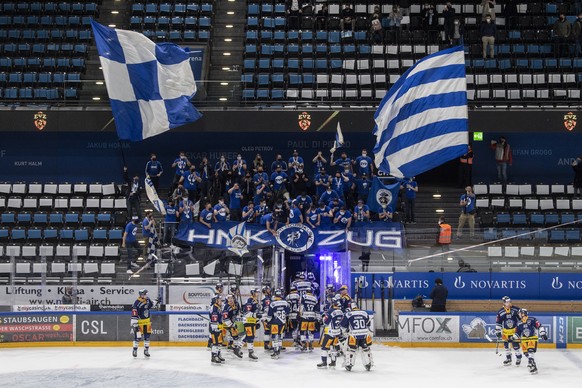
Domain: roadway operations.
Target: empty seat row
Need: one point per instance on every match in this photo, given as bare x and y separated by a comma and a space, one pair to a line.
167, 8
523, 189
41, 218
176, 22
60, 268
535, 251
540, 235
61, 189
38, 234
43, 49
62, 203
550, 218
49, 7
529, 203
59, 34
177, 35
44, 21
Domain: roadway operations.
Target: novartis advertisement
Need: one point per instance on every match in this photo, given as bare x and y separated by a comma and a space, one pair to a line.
471, 285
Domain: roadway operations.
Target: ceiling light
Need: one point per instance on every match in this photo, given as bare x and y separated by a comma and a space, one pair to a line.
230, 13
228, 39
223, 99
436, 195
115, 12
226, 54
226, 68
99, 83
96, 98
224, 83
439, 210
229, 26
112, 25
449, 259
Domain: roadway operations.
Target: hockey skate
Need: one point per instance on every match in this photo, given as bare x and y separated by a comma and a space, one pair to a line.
275, 355
518, 361
237, 352
332, 364
348, 368
134, 352
215, 360
252, 356
533, 369
146, 352
368, 366
310, 346
322, 365
220, 357
507, 361
303, 347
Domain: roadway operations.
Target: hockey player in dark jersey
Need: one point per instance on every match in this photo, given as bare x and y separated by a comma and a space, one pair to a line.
229, 315
506, 322
329, 294
357, 324
314, 284
528, 329
218, 290
234, 291
215, 328
332, 319
265, 302
141, 325
303, 285
276, 319
346, 299
308, 311
292, 323
251, 315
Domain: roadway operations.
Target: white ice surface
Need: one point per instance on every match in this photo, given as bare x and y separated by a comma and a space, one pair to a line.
190, 367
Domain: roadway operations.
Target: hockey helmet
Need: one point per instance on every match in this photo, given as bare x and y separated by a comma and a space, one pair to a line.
255, 291
143, 292
230, 298
216, 300
343, 288
278, 292
336, 301
233, 289
266, 290
219, 287
293, 288
330, 289
523, 313
310, 276
354, 306
506, 300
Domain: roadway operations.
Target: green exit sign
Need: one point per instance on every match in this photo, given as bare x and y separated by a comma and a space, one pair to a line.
477, 136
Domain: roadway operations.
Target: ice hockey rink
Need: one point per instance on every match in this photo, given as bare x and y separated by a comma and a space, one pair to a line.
190, 366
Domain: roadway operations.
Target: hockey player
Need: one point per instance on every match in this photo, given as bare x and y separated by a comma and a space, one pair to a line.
332, 319
308, 310
346, 299
357, 324
329, 294
314, 284
265, 302
292, 323
229, 315
141, 325
234, 291
506, 322
250, 316
215, 328
303, 285
276, 319
218, 289
527, 331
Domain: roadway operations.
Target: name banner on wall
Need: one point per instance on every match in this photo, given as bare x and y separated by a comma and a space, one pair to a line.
36, 328
470, 285
296, 237
428, 328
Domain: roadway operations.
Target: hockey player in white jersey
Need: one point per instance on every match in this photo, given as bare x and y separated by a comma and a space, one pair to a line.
357, 324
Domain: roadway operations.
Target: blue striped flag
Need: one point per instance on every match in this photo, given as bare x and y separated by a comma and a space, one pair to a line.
422, 121
149, 85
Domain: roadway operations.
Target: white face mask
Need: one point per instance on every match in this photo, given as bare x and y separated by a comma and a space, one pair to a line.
364, 154
238, 157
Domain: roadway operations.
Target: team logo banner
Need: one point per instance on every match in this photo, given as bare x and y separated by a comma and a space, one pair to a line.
381, 196
293, 237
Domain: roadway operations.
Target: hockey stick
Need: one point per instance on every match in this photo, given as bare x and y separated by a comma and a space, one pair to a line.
382, 288
374, 292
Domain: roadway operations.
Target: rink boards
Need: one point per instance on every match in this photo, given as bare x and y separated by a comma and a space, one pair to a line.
188, 326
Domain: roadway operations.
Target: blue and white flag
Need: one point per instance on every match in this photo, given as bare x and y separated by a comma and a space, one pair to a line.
422, 121
238, 241
149, 85
153, 196
383, 196
339, 139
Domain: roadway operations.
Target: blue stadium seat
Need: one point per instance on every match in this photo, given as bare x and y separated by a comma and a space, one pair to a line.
17, 234
104, 219
50, 234
503, 218
34, 234
204, 35
100, 234
56, 219
115, 234
248, 94
519, 219
24, 218
552, 219
508, 233
573, 235
81, 234
4, 233
40, 218
189, 35
8, 218
557, 235
71, 218
88, 219
490, 234
253, 10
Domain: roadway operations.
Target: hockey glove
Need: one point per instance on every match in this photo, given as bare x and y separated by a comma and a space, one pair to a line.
133, 324
498, 334
543, 335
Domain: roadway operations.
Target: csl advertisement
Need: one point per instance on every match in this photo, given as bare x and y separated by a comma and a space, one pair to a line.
470, 285
116, 327
36, 328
